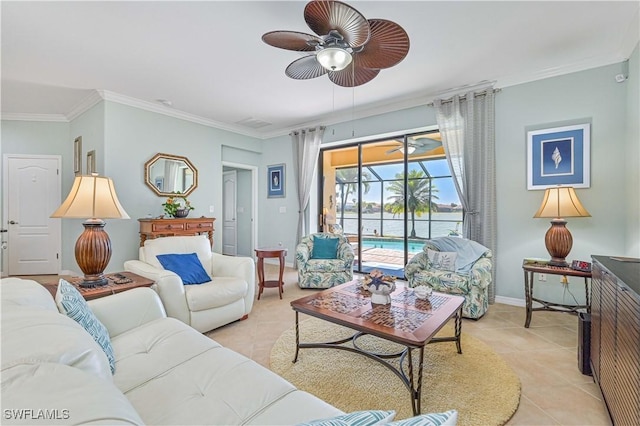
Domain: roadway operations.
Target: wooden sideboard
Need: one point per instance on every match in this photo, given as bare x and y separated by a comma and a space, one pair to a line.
154, 228
615, 333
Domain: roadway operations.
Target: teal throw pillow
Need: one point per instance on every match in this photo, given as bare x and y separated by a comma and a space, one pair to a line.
324, 248
357, 418
449, 418
187, 266
71, 303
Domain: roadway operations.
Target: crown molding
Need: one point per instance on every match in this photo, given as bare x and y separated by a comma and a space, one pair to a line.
10, 116
161, 109
85, 104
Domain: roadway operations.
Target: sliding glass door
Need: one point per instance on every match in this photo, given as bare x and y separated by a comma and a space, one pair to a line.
388, 197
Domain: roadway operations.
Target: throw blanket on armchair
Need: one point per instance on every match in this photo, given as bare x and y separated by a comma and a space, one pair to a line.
468, 251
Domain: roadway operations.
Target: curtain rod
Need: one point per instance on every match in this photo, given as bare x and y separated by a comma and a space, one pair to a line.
475, 95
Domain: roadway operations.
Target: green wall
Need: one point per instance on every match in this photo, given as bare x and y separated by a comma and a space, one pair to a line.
131, 136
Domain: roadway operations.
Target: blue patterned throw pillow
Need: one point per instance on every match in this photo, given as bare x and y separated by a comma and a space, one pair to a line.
357, 418
72, 304
449, 418
187, 266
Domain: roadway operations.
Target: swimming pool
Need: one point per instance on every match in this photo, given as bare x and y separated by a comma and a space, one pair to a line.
385, 243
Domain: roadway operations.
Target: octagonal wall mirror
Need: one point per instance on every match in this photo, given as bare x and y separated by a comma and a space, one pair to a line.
166, 174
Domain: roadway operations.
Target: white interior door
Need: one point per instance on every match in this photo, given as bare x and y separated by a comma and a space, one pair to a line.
229, 215
31, 191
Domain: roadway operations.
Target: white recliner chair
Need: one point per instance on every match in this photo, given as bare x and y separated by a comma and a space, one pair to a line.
226, 298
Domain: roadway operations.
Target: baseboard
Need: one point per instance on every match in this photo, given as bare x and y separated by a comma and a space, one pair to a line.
275, 261
510, 301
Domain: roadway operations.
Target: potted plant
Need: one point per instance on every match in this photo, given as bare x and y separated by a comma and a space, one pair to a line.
174, 206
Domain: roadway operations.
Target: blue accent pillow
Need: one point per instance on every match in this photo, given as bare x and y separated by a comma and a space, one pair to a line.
357, 418
187, 266
72, 304
324, 248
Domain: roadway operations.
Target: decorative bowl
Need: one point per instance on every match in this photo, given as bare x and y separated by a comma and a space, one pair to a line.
182, 213
422, 292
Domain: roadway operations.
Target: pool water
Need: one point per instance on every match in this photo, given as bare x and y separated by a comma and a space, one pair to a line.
414, 246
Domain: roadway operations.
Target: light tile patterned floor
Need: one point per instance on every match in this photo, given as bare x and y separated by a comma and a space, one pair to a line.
554, 392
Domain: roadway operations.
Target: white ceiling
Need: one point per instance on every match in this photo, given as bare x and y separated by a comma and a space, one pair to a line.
208, 58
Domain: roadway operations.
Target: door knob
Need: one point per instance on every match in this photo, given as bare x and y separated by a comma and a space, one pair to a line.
13, 222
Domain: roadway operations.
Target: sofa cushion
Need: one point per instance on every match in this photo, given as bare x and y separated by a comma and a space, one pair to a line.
221, 291
443, 281
32, 335
324, 248
356, 418
19, 292
199, 245
71, 303
206, 380
326, 265
46, 393
187, 266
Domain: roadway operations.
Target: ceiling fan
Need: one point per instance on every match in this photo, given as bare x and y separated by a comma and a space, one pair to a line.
417, 146
348, 47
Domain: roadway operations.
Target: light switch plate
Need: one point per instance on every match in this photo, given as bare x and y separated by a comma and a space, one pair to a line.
283, 209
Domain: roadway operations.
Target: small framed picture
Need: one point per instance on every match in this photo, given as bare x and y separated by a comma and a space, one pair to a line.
159, 183
77, 155
276, 181
91, 161
559, 156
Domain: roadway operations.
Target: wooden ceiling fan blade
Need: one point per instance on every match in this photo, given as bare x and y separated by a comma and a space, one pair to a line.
292, 40
388, 45
347, 78
322, 16
305, 68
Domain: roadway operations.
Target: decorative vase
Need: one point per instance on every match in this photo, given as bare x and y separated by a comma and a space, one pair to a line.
182, 213
381, 291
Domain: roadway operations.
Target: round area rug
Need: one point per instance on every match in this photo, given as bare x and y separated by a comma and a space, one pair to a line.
477, 383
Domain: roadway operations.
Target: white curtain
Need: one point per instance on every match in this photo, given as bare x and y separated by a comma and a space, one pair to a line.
467, 126
306, 147
171, 168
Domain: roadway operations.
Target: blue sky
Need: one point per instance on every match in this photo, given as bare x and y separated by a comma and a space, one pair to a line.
437, 168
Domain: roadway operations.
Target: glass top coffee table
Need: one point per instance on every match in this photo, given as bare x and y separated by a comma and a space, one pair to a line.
408, 321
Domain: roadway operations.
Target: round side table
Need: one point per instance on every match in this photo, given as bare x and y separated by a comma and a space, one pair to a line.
262, 254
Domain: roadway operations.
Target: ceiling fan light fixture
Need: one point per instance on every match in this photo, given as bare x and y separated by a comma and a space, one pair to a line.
334, 58
410, 149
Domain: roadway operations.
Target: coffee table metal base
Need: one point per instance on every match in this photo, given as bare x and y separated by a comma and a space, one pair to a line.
412, 382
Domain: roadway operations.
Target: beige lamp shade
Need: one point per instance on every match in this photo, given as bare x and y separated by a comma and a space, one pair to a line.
561, 202
91, 197
558, 203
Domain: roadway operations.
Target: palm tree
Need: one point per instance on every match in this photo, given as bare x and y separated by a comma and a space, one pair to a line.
421, 194
348, 181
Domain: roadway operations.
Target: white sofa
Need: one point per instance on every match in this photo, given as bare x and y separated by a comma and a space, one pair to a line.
166, 372
226, 298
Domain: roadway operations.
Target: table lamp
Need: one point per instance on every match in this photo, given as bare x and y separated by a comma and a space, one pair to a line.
92, 197
559, 202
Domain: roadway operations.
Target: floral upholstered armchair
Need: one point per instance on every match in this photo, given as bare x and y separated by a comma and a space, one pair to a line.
324, 260
454, 266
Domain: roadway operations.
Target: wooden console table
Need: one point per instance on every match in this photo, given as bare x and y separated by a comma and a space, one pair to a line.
154, 228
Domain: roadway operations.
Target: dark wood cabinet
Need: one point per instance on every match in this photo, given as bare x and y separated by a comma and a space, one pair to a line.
615, 336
